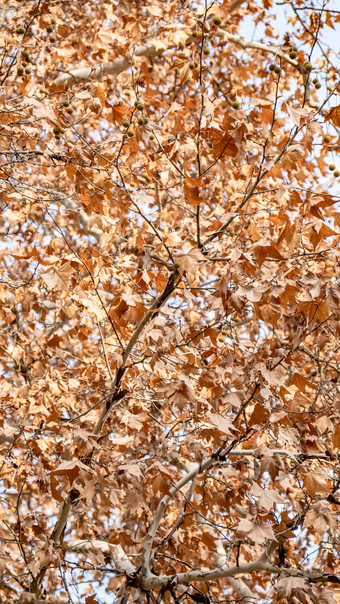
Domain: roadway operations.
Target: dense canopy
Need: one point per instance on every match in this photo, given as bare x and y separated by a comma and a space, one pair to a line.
169, 302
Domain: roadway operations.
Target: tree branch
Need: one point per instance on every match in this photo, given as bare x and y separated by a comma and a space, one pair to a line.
243, 590
191, 475
113, 68
115, 552
116, 67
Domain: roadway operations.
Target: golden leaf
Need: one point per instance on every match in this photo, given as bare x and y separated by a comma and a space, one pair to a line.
334, 115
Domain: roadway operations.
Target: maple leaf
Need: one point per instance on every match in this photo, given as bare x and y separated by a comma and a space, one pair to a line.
316, 481
189, 263
296, 113
131, 469
91, 599
327, 597
40, 110
266, 498
192, 191
222, 423
334, 115
259, 533
179, 392
270, 462
293, 586
132, 420
58, 277
70, 469
321, 517
120, 113
263, 250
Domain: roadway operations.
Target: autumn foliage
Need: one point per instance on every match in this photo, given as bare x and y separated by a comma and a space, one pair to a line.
169, 302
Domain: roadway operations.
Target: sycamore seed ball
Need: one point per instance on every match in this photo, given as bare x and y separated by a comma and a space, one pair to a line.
327, 138
336, 173
130, 133
49, 29
53, 39
217, 20
28, 70
331, 167
20, 71
206, 51
220, 338
277, 69
152, 137
318, 85
126, 124
308, 66
293, 54
235, 105
69, 110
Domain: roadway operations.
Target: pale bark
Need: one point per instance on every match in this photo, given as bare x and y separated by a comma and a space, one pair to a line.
243, 590
96, 72
73, 207
161, 509
151, 581
115, 552
113, 68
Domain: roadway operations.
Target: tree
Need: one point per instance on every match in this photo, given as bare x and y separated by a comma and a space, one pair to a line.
169, 303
